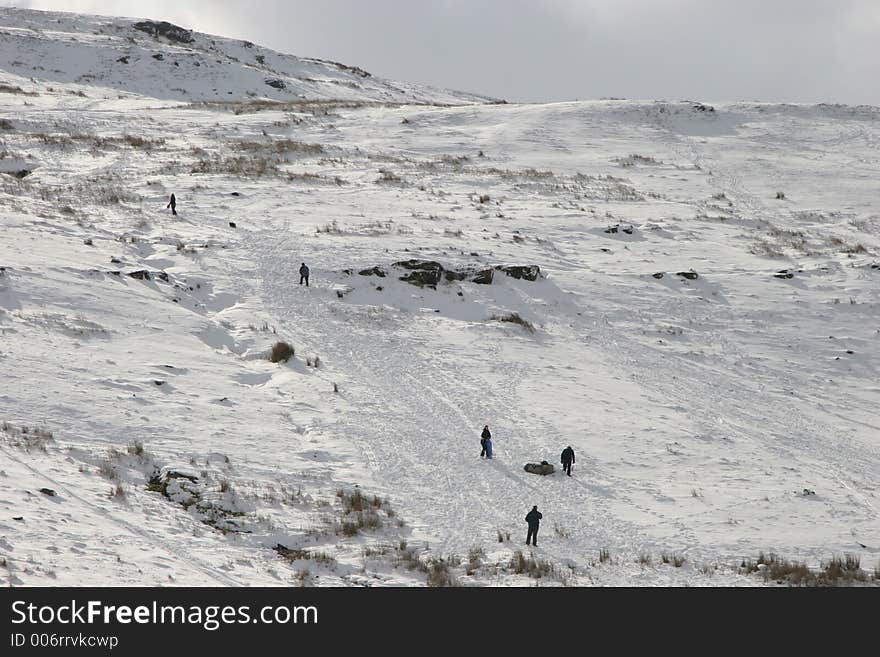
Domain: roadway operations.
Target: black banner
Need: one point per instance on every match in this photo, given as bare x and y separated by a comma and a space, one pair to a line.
130, 621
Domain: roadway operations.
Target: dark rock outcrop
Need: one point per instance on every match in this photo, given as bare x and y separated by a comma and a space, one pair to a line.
144, 275
373, 271
165, 29
275, 82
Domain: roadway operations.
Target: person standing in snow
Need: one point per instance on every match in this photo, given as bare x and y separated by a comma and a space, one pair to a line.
303, 274
533, 517
567, 459
173, 205
486, 435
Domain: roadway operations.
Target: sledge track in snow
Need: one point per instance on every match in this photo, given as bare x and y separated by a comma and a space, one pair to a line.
424, 438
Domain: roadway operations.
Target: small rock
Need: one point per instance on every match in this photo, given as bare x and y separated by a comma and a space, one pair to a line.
232, 224
48, 491
373, 271
783, 273
88, 241
158, 56
276, 83
236, 194
690, 275
658, 275
123, 60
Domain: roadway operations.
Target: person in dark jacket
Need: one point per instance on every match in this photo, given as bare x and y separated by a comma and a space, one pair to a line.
304, 274
533, 517
484, 439
567, 459
173, 205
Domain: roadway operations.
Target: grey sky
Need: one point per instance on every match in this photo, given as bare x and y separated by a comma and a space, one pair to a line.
541, 50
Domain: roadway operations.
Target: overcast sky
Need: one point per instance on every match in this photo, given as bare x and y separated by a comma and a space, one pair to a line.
543, 50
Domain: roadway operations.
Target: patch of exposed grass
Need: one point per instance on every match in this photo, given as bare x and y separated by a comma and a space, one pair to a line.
531, 566
514, 318
281, 352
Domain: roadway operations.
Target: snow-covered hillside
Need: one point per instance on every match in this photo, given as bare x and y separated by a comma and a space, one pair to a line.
158, 59
704, 331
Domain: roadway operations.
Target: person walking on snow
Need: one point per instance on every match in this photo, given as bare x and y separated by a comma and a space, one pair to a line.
486, 435
173, 205
533, 517
567, 459
303, 274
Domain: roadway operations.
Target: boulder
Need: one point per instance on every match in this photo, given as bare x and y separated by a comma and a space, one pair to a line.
422, 278
484, 277
452, 275
542, 468
523, 272
422, 272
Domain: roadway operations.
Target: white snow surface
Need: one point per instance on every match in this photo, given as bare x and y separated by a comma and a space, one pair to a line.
712, 418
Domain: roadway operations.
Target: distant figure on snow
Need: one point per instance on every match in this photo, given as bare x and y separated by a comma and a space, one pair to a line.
486, 435
304, 274
173, 205
533, 517
567, 459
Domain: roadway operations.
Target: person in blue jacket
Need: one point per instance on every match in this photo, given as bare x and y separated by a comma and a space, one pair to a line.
486, 435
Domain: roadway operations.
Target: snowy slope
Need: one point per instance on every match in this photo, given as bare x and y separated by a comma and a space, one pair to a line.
112, 55
712, 417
